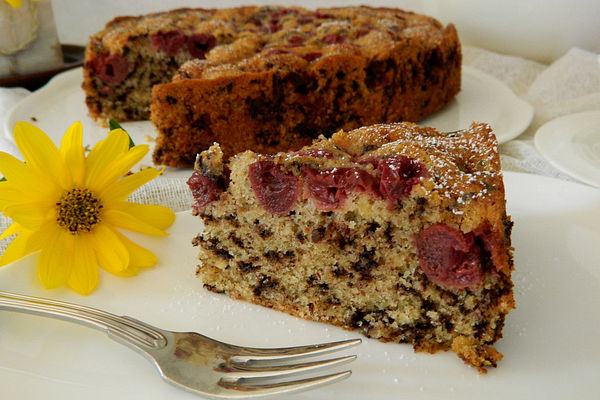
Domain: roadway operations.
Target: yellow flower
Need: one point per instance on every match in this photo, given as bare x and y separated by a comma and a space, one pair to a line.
16, 3
69, 206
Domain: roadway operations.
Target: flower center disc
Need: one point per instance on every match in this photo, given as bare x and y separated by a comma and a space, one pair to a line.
78, 210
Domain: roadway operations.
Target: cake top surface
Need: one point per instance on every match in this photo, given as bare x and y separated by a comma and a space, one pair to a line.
463, 165
235, 34
460, 170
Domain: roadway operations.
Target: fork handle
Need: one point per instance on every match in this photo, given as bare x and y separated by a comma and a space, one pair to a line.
122, 328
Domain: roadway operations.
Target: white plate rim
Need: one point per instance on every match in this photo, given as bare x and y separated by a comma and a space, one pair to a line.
560, 153
55, 83
518, 113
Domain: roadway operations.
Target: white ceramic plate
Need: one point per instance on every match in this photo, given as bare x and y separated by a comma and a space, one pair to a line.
61, 102
550, 342
572, 144
484, 98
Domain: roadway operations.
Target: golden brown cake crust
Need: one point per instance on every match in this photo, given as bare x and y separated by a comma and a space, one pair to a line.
287, 74
395, 230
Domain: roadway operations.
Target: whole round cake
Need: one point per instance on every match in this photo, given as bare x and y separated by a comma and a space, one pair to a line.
268, 78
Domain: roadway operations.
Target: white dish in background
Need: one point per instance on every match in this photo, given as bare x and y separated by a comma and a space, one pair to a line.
572, 144
539, 30
484, 98
550, 345
54, 107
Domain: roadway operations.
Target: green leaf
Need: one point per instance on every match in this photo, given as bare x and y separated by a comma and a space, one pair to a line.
3, 179
112, 124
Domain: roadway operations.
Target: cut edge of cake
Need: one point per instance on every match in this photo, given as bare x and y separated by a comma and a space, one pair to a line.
395, 230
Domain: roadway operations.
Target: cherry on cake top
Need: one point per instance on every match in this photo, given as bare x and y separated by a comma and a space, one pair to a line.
230, 36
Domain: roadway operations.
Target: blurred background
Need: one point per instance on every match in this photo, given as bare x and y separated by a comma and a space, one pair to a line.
540, 30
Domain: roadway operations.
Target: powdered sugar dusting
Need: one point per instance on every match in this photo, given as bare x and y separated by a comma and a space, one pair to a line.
464, 166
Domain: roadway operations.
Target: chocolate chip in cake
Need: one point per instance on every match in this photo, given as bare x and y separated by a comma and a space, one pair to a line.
262, 231
213, 288
323, 288
232, 220
312, 279
447, 323
317, 234
237, 241
366, 262
247, 266
389, 232
201, 122
480, 328
265, 282
357, 319
371, 228
213, 245
272, 255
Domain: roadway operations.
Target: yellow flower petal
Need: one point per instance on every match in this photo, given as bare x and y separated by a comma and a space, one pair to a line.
110, 251
56, 259
124, 220
157, 216
129, 272
18, 192
84, 273
13, 229
122, 189
17, 173
12, 168
15, 193
71, 149
14, 3
41, 153
24, 244
31, 215
104, 153
9, 194
118, 168
15, 250
139, 257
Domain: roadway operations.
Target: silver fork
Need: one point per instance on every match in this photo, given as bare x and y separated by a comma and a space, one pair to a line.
199, 364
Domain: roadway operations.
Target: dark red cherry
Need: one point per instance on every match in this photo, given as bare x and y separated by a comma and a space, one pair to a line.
204, 189
169, 42
201, 43
398, 174
275, 190
110, 68
449, 257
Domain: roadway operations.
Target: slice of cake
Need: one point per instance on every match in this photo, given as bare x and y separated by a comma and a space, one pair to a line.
285, 75
393, 229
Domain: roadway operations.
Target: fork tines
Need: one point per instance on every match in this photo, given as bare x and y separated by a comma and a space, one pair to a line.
260, 372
